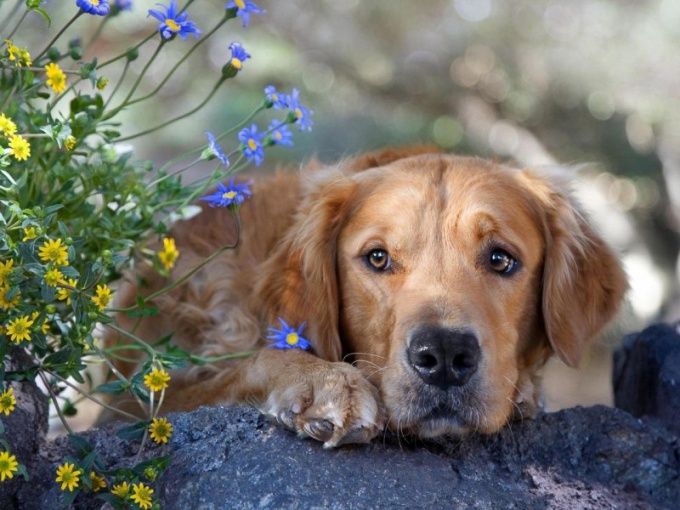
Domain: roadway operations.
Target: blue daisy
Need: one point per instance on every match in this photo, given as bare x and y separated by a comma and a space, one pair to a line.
244, 9
96, 7
288, 337
233, 194
238, 55
214, 150
174, 23
251, 142
279, 133
301, 112
278, 100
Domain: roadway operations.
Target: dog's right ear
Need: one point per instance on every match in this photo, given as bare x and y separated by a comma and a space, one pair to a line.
298, 282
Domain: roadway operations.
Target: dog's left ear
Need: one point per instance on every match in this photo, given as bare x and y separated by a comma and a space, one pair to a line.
583, 280
299, 282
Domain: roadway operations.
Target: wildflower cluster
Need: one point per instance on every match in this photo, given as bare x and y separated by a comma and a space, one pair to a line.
76, 211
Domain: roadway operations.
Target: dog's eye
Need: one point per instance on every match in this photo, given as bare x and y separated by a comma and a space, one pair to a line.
379, 260
502, 262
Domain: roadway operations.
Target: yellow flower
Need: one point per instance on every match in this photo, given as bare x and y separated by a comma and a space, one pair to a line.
8, 303
5, 270
98, 482
142, 495
53, 277
7, 401
7, 127
19, 148
45, 326
169, 254
55, 77
12, 50
157, 380
160, 430
8, 466
25, 57
65, 294
70, 142
29, 233
102, 82
68, 477
121, 490
53, 251
18, 329
103, 296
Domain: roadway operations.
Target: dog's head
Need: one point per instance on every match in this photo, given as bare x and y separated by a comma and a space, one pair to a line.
449, 281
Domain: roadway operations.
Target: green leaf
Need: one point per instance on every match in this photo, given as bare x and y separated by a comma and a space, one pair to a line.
81, 445
114, 388
135, 431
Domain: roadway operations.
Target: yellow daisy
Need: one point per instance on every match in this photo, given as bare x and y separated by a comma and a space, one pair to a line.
19, 329
54, 251
55, 77
68, 476
98, 482
121, 490
7, 401
169, 254
65, 294
6, 269
5, 303
7, 126
70, 142
19, 147
29, 233
141, 494
53, 277
160, 430
157, 380
103, 297
8, 466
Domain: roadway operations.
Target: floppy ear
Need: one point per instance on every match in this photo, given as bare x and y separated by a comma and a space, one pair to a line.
298, 282
583, 281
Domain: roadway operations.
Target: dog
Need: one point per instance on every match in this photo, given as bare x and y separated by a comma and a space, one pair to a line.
431, 289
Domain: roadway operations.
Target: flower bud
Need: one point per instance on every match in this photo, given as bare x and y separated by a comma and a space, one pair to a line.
132, 54
53, 54
50, 309
75, 52
102, 82
229, 71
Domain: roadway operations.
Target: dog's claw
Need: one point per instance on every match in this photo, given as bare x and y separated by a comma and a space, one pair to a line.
321, 430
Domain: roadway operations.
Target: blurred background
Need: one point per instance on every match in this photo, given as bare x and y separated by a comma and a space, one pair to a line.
590, 84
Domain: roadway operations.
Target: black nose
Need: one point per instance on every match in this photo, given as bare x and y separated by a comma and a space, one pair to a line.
442, 356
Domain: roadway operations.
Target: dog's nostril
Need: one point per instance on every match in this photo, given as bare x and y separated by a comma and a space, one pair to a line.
427, 361
444, 357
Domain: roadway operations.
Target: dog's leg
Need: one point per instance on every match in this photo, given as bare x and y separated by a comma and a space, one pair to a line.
329, 401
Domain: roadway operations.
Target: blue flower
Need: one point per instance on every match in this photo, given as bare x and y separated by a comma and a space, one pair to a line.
243, 9
173, 23
251, 142
214, 150
228, 195
278, 100
280, 134
238, 55
301, 112
96, 7
288, 337
124, 5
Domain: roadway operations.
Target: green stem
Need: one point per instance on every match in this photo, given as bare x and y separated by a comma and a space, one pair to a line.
21, 20
178, 118
55, 400
123, 55
182, 60
124, 103
118, 84
59, 34
97, 32
150, 350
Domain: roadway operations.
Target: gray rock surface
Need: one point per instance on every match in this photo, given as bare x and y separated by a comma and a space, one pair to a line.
647, 374
590, 458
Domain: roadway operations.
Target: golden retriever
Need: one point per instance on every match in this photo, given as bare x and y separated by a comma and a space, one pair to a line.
431, 287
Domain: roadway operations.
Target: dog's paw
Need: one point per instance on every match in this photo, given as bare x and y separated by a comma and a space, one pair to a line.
330, 402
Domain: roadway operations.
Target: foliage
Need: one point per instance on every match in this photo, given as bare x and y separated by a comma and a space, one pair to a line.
76, 210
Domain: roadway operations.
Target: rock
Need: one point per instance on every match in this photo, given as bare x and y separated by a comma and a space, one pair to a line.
647, 374
232, 457
25, 427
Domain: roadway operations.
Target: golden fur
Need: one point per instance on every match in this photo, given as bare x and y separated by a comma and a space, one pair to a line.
378, 336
